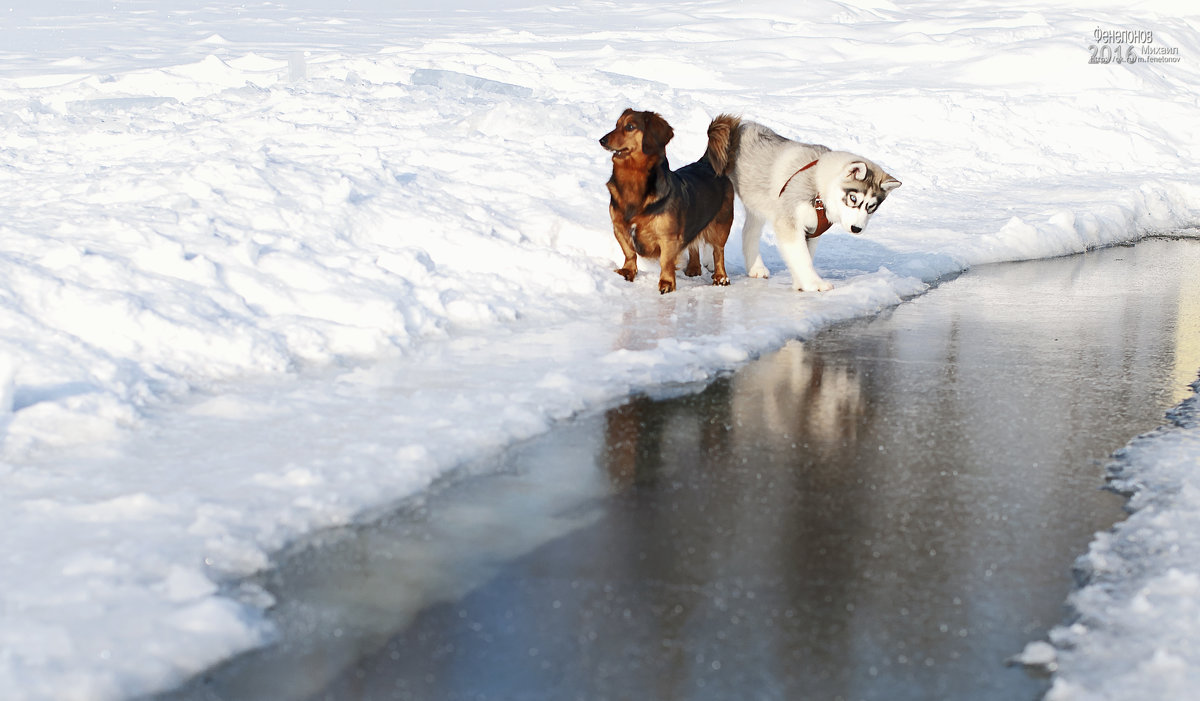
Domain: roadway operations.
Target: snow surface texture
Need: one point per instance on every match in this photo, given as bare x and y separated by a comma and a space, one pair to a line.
1137, 636
266, 268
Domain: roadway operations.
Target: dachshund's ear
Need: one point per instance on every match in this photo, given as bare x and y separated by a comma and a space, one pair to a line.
656, 133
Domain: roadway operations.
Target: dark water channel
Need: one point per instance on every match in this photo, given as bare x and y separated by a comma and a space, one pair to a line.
888, 511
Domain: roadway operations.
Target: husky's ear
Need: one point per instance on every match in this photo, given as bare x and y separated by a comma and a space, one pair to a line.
857, 170
656, 133
889, 183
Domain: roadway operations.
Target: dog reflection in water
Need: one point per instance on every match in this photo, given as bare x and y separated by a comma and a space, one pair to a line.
793, 401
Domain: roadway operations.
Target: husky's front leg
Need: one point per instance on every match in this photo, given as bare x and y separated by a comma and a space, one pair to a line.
751, 233
812, 248
796, 252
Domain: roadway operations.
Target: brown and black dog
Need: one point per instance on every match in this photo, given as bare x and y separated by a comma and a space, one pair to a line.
657, 212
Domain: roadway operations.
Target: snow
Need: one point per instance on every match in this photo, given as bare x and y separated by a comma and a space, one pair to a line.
1138, 613
272, 267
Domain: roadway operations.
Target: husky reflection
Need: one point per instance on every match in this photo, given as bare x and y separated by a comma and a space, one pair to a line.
797, 394
794, 401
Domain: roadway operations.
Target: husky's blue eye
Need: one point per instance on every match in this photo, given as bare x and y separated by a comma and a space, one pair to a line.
853, 198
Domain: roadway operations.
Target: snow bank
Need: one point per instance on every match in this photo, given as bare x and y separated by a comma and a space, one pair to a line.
266, 269
1138, 613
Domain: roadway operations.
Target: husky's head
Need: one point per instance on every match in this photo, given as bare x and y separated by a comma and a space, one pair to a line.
855, 192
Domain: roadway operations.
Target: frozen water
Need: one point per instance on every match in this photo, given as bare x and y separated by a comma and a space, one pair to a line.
883, 512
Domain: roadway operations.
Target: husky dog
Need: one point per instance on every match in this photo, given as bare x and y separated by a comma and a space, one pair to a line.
802, 189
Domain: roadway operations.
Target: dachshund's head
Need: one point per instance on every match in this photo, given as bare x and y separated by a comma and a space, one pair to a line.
638, 132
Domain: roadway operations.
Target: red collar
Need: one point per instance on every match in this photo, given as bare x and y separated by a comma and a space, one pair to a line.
789, 180
823, 222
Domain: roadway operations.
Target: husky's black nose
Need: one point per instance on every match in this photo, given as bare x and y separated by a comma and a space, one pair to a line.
856, 229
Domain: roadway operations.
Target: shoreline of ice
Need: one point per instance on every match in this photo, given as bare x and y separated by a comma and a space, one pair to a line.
1135, 612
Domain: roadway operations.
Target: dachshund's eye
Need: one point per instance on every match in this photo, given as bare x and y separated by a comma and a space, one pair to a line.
630, 127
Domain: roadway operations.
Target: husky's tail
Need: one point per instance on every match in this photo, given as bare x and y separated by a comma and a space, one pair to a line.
723, 135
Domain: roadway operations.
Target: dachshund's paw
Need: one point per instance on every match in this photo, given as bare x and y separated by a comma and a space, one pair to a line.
626, 273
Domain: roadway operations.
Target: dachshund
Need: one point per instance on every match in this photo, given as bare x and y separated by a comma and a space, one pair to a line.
657, 212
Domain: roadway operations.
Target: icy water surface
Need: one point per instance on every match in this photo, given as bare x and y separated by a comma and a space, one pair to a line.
888, 511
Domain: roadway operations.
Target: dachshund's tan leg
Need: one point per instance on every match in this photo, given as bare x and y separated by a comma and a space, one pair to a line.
693, 265
625, 240
668, 253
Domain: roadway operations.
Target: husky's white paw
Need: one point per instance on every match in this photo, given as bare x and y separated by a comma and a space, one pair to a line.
815, 285
759, 271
